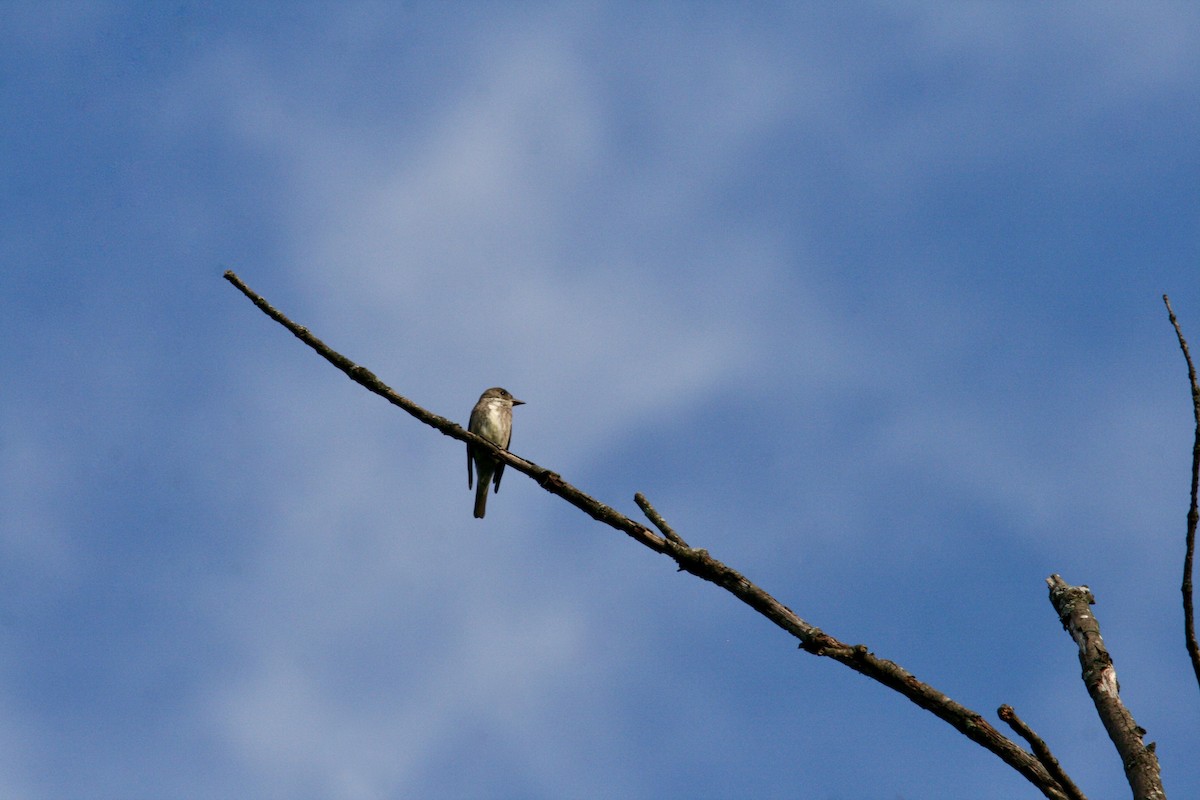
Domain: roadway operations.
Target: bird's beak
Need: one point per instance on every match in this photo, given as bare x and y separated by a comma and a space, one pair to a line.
517, 402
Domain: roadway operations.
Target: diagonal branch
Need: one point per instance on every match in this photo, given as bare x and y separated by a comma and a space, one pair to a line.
702, 565
1100, 676
1189, 613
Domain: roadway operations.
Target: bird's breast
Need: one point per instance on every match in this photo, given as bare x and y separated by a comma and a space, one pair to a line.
492, 424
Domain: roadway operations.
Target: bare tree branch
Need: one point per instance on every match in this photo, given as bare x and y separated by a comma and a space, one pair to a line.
1041, 750
702, 565
1189, 613
1100, 676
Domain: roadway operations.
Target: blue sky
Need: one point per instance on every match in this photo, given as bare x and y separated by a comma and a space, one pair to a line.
865, 298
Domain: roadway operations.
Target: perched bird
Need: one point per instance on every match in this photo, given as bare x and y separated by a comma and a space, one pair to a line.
492, 419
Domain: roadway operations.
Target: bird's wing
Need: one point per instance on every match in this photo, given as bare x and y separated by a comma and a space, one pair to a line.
500, 464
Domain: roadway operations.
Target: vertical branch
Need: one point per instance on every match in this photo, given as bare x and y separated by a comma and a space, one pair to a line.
1100, 676
1189, 613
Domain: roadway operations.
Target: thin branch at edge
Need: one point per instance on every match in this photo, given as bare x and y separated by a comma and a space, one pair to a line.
1189, 613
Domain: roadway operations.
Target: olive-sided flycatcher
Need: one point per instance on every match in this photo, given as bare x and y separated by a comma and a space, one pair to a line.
492, 419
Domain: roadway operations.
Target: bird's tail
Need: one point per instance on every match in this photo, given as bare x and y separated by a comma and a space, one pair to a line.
481, 493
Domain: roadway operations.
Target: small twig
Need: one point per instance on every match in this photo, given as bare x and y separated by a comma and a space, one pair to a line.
1189, 613
657, 519
1100, 677
702, 565
1041, 750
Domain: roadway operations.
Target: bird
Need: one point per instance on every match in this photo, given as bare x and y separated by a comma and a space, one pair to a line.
492, 419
